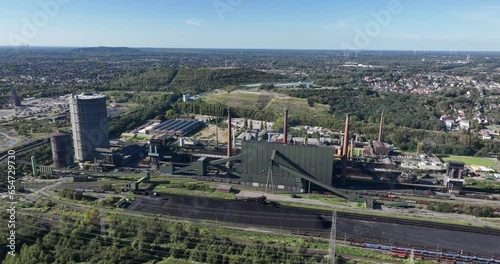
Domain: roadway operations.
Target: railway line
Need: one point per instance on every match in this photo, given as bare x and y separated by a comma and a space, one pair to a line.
315, 222
444, 226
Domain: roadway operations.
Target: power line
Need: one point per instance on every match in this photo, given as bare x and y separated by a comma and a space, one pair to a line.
333, 235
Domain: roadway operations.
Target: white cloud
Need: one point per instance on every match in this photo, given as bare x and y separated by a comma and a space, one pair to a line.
194, 21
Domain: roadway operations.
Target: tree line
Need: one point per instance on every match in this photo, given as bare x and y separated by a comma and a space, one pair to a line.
133, 240
188, 80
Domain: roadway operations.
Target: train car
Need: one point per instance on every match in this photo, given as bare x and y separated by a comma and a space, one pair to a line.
429, 256
378, 246
399, 253
417, 255
484, 260
480, 262
357, 242
373, 246
385, 247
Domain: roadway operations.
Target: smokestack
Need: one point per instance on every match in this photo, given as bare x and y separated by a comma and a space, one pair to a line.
33, 166
345, 147
380, 127
351, 149
229, 131
285, 127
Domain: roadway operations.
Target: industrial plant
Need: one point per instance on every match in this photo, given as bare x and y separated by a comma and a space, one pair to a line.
260, 158
367, 173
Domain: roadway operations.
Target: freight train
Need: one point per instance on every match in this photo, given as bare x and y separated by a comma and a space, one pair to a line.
405, 252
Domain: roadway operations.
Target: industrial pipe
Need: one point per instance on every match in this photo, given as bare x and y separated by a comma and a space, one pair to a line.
285, 127
380, 127
229, 130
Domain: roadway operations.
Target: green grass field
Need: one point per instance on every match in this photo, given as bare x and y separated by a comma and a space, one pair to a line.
233, 99
474, 161
298, 106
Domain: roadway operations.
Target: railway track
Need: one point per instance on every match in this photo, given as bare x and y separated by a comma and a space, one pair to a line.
391, 220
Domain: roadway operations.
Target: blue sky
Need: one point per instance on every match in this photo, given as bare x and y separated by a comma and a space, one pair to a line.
289, 24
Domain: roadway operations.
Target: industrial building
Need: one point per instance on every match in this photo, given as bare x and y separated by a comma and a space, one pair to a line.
177, 127
265, 163
15, 99
119, 154
89, 122
157, 148
455, 173
380, 148
62, 152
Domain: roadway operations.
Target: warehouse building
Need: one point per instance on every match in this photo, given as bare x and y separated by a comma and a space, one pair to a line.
257, 170
177, 127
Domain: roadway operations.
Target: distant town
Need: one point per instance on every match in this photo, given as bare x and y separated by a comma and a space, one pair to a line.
278, 144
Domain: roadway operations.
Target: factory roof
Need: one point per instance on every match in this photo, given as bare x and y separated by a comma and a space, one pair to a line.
59, 134
224, 187
457, 163
85, 96
379, 144
246, 136
104, 150
310, 141
178, 126
282, 136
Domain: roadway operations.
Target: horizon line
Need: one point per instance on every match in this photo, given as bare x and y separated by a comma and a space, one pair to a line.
228, 48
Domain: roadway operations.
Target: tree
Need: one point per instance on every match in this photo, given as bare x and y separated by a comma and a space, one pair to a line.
310, 101
92, 215
30, 255
198, 254
278, 124
245, 124
160, 117
170, 114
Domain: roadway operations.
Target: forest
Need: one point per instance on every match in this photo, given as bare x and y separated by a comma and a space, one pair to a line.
163, 79
188, 80
405, 110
